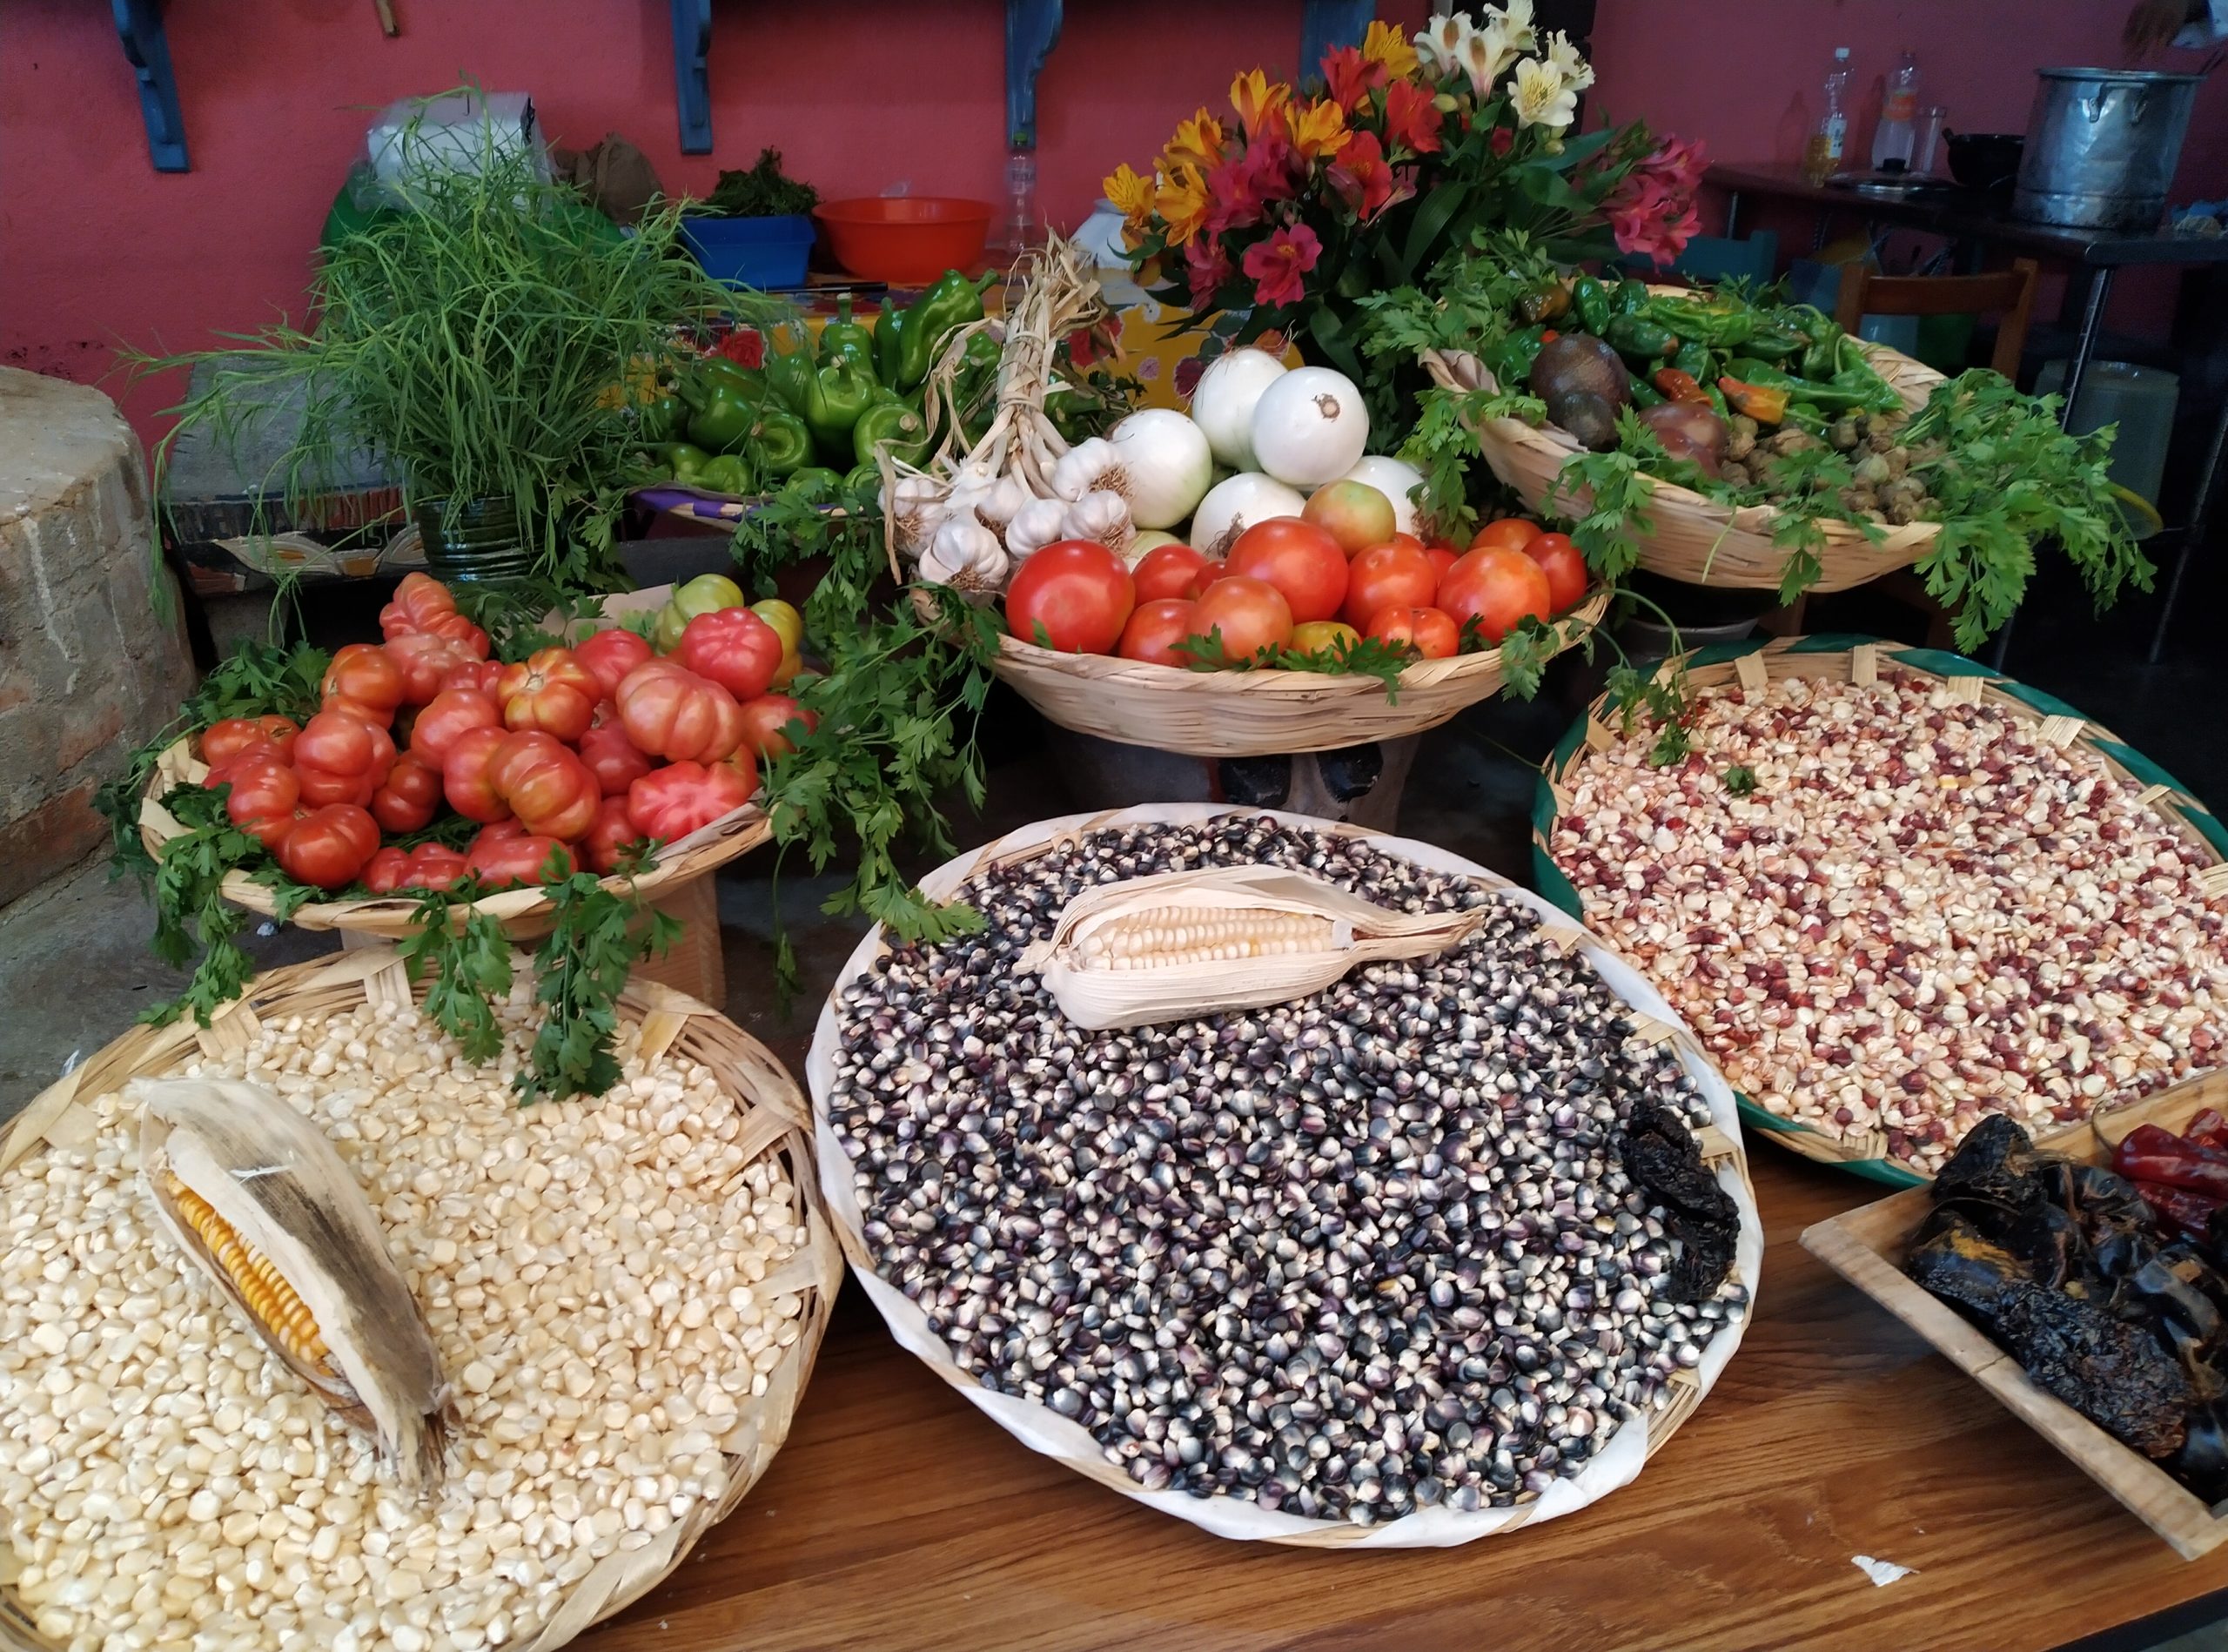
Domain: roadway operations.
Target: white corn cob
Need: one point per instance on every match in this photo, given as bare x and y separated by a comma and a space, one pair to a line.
1162, 936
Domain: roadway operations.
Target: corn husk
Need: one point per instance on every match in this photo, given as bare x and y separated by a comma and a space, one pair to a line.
1098, 986
267, 1173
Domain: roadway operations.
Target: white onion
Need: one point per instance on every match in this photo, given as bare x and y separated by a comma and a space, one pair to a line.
1166, 465
1310, 427
1034, 525
1151, 540
1222, 405
1393, 478
1232, 507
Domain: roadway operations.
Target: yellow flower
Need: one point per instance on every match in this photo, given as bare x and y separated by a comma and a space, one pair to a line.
1319, 129
1383, 44
1182, 203
1198, 141
1133, 194
1256, 100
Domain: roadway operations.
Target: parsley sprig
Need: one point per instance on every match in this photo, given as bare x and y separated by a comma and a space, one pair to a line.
579, 971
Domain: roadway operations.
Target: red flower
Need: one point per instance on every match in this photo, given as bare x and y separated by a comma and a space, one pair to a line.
1277, 264
1207, 266
1349, 76
1363, 179
1270, 170
744, 348
1652, 211
1410, 118
1501, 141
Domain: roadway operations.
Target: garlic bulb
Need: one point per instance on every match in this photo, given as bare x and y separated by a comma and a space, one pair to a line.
1085, 467
1101, 516
1003, 501
915, 505
965, 554
1034, 525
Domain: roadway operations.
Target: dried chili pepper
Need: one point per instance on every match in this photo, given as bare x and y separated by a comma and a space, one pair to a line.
2189, 1212
2150, 1154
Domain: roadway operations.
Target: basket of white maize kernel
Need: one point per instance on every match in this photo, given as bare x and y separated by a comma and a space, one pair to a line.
1313, 1187
1894, 892
214, 1433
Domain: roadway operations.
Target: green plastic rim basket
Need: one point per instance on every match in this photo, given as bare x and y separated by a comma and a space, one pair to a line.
1850, 658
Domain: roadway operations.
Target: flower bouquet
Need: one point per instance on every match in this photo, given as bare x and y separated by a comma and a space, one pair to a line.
1306, 202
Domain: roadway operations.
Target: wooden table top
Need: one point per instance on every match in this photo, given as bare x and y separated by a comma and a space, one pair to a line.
898, 1516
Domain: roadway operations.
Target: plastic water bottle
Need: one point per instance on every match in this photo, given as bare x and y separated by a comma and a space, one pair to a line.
1891, 145
1022, 232
1821, 156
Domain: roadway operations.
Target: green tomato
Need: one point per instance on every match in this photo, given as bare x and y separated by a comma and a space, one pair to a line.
700, 595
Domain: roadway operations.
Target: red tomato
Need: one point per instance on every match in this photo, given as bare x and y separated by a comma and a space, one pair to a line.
1509, 533
671, 803
1565, 566
611, 756
670, 711
1078, 595
1156, 628
383, 872
1442, 558
548, 788
406, 799
264, 795
613, 831
1390, 575
1204, 578
465, 780
1427, 630
341, 758
434, 866
1354, 514
732, 648
1249, 614
1166, 571
419, 602
1300, 560
328, 846
1496, 587
496, 830
611, 655
448, 714
479, 677
232, 735
501, 862
764, 720
362, 673
425, 662
551, 691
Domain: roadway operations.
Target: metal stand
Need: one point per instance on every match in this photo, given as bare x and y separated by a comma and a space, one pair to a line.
139, 25
692, 84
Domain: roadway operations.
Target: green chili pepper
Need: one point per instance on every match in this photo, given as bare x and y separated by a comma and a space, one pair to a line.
834, 396
889, 346
1510, 359
952, 302
1812, 322
722, 419
1834, 395
1638, 339
1694, 361
1627, 297
1719, 327
813, 484
845, 337
1592, 302
1545, 304
685, 461
780, 441
890, 421
663, 418
728, 473
1643, 393
1717, 398
1772, 342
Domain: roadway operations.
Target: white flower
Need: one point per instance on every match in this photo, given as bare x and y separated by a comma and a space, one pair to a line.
1562, 57
1441, 45
1486, 54
1513, 19
1541, 97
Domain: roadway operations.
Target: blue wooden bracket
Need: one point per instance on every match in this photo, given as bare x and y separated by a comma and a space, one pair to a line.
691, 82
1325, 24
139, 25
1032, 30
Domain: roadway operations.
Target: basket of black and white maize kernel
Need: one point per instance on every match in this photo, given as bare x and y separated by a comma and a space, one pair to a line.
1894, 892
625, 1295
1444, 1247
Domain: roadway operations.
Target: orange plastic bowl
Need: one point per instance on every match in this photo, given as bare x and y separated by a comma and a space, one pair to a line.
907, 240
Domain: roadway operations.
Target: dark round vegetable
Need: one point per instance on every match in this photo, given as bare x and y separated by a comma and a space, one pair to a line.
1576, 363
1591, 418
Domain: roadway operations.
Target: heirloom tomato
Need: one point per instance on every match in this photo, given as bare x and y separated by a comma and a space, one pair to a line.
407, 797
732, 648
670, 711
364, 675
671, 803
610, 655
549, 690
765, 718
501, 861
232, 735
611, 756
449, 713
465, 779
605, 841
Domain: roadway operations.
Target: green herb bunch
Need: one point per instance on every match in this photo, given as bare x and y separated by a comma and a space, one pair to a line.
762, 191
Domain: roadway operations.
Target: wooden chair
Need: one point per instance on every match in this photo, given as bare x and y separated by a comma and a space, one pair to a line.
2010, 293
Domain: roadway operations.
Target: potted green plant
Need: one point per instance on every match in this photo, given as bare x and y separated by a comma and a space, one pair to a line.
489, 345
755, 228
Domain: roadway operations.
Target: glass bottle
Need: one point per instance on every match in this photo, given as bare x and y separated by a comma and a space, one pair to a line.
1821, 156
1023, 231
1891, 144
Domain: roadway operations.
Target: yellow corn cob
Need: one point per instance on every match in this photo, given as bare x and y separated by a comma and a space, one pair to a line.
1161, 936
261, 1285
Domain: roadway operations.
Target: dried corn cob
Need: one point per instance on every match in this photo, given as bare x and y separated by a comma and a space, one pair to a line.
254, 1194
1163, 948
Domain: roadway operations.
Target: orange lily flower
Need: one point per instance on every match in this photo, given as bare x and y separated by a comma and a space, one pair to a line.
1131, 193
1257, 100
1182, 203
1384, 43
1319, 129
1198, 141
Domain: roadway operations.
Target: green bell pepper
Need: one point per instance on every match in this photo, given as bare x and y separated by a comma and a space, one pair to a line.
887, 419
889, 346
813, 484
749, 383
684, 460
728, 473
860, 476
661, 419
1694, 361
788, 372
1638, 339
1510, 359
1588, 298
952, 302
844, 337
780, 442
722, 419
834, 396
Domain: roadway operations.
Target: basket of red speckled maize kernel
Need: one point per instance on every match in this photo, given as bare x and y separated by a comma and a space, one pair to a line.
1894, 892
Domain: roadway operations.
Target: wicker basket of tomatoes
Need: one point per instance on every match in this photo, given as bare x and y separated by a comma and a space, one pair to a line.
429, 765
1295, 642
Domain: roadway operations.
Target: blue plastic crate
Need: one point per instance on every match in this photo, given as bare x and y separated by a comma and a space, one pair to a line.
765, 252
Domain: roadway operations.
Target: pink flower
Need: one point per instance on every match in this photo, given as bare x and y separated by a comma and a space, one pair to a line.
1277, 264
1363, 179
1501, 140
1651, 213
1207, 266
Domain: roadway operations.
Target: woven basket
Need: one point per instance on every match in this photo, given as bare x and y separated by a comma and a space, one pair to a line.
1253, 713
1694, 539
1044, 1430
1755, 661
773, 1123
